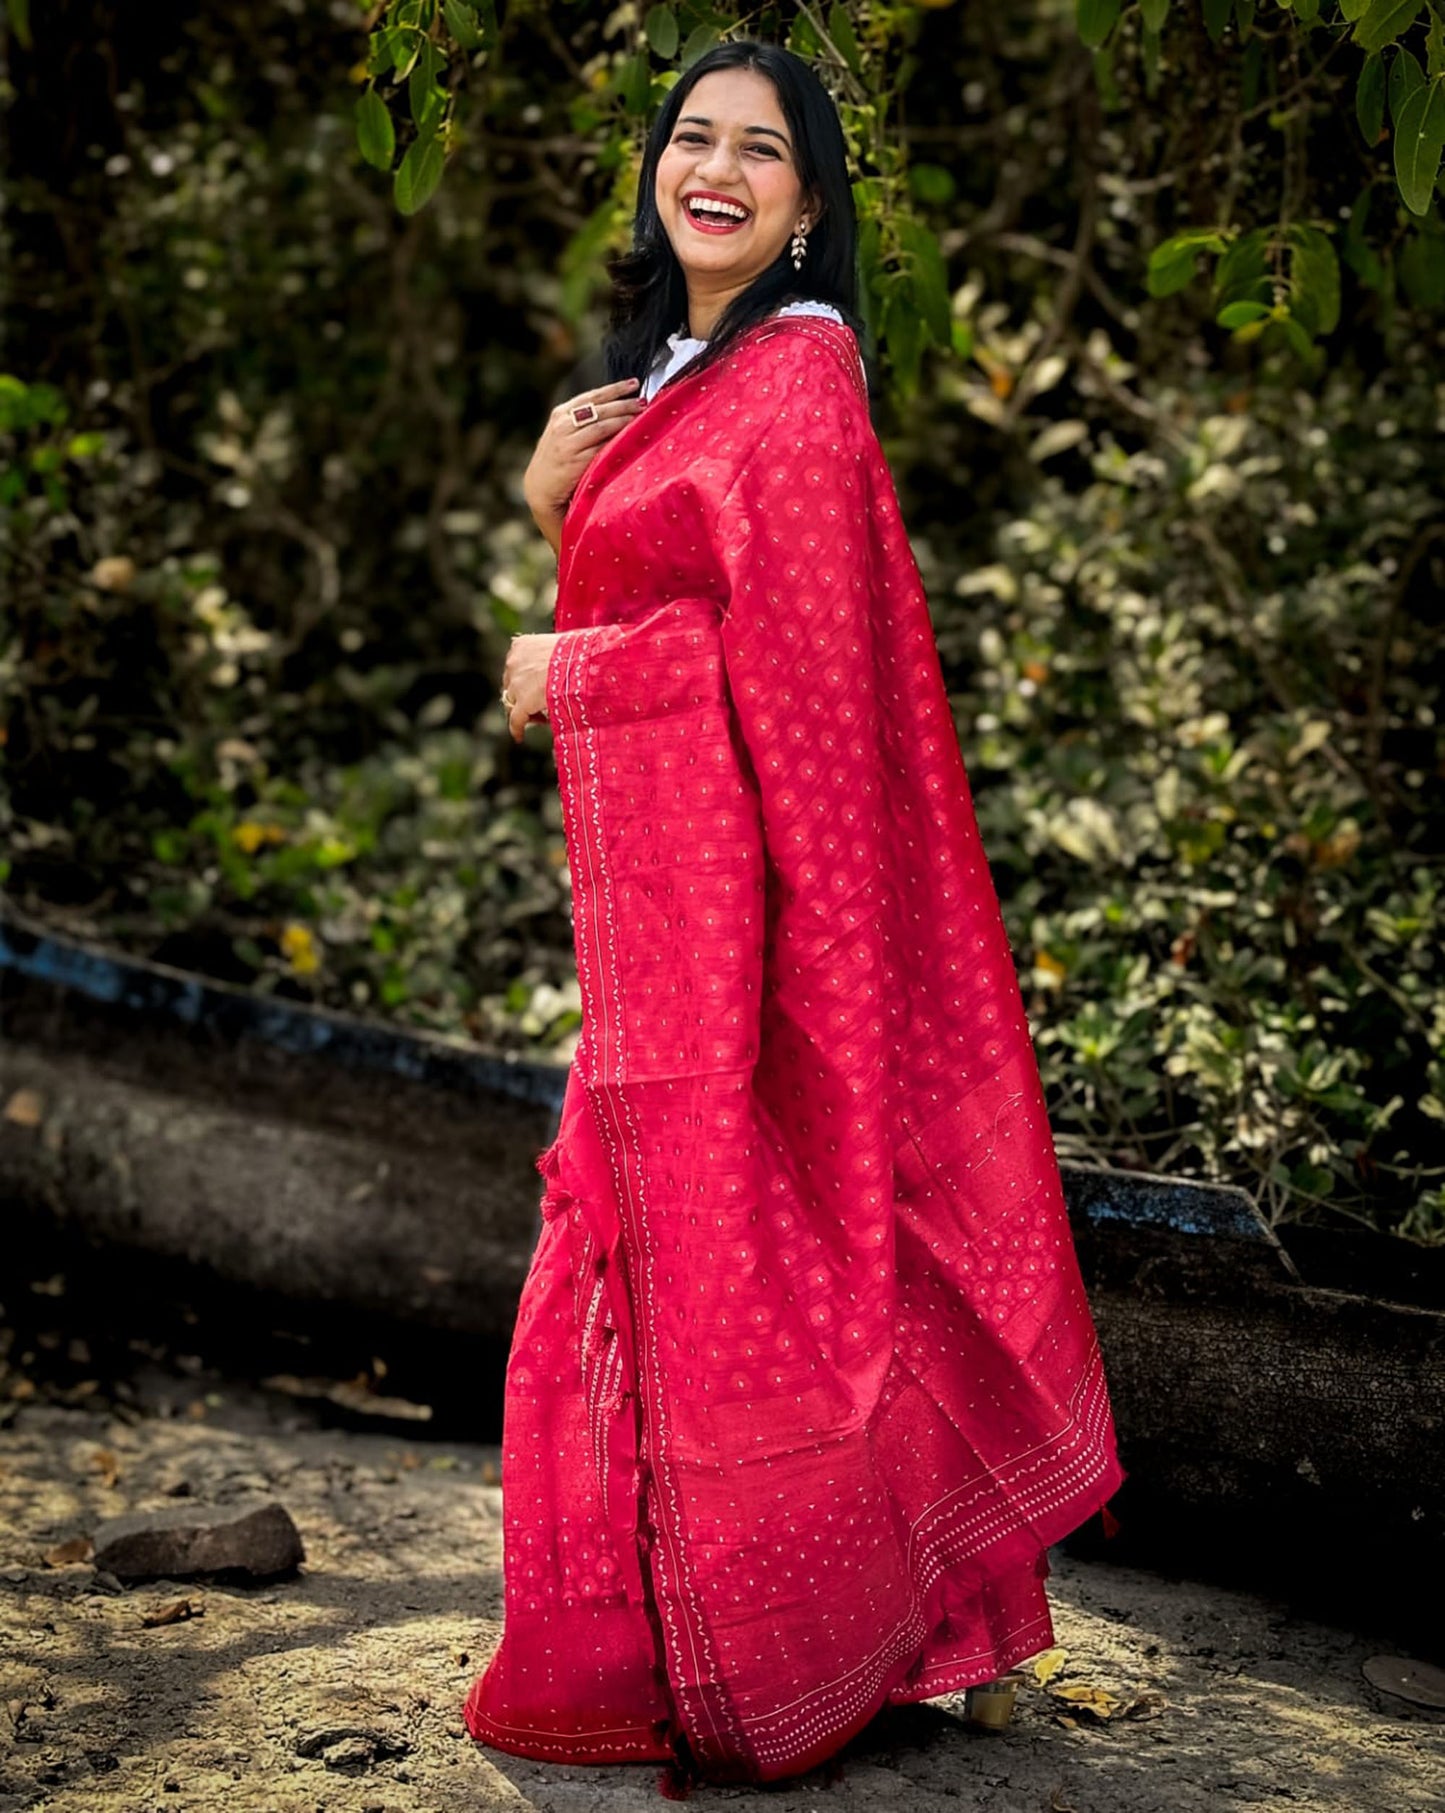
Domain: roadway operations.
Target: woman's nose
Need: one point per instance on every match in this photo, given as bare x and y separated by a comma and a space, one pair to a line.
719, 163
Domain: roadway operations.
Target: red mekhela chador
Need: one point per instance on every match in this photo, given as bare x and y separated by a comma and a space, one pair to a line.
804, 1380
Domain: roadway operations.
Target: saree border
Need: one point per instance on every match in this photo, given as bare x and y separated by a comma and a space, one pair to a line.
595, 924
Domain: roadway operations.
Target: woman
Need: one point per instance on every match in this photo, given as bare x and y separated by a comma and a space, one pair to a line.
804, 1381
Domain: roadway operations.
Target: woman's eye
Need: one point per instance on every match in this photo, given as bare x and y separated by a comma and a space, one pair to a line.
696, 138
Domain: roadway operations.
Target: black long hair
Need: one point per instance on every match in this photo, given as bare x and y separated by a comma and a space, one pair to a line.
649, 291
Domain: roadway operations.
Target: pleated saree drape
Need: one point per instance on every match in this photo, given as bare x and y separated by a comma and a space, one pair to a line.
804, 1381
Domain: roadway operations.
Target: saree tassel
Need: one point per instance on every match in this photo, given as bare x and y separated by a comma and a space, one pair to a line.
556, 1201
681, 1774
675, 1783
1110, 1522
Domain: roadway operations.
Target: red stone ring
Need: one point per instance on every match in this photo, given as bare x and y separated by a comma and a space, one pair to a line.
584, 413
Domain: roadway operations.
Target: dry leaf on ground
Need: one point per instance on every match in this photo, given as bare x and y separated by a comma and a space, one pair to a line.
26, 1108
1044, 1667
1093, 1700
66, 1554
179, 1611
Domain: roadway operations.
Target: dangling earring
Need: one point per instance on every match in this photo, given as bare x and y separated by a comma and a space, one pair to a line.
800, 247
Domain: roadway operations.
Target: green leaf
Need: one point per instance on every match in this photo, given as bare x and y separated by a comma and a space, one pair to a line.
1314, 280
633, 81
840, 30
1422, 270
19, 11
931, 183
1173, 262
582, 264
1384, 20
384, 49
419, 173
928, 278
1406, 76
1243, 274
425, 99
1419, 140
700, 40
1298, 338
462, 24
1370, 98
1350, 10
1241, 314
1217, 14
406, 46
1244, 11
803, 41
1307, 11
661, 28
374, 131
1096, 19
902, 334
1154, 12
1170, 270
1435, 46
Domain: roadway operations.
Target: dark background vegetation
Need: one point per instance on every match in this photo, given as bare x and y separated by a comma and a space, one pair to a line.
261, 443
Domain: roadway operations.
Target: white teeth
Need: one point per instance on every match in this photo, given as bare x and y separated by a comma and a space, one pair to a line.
723, 210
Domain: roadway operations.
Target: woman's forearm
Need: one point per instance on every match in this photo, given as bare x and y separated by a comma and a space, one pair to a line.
550, 523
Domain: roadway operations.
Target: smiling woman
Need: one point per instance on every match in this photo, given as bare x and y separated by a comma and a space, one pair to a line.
804, 1382
729, 174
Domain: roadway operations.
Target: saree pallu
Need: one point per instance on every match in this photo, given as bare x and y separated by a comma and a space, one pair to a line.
804, 1381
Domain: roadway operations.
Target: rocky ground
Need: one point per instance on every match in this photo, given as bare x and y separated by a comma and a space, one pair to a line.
339, 1689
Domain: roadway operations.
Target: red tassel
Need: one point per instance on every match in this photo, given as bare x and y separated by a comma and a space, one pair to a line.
675, 1783
1110, 1521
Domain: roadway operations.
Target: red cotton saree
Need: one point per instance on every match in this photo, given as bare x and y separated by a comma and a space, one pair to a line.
804, 1381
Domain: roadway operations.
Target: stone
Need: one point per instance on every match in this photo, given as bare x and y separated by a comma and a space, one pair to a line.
185, 1540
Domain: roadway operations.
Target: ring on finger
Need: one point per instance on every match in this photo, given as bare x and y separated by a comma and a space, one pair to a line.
583, 413
507, 698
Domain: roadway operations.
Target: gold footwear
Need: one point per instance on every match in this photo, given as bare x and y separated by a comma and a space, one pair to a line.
990, 1704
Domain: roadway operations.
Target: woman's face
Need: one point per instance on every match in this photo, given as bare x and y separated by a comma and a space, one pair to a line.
730, 144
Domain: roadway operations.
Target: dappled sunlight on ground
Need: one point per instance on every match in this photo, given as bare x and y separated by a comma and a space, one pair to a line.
340, 1690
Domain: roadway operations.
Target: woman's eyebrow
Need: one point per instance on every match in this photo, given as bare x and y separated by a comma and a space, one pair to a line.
697, 120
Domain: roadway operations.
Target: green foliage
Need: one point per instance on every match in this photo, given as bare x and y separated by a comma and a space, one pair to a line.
1287, 281
1293, 299
1097, 18
1197, 692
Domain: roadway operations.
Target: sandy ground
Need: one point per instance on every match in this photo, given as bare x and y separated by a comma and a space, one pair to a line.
340, 1690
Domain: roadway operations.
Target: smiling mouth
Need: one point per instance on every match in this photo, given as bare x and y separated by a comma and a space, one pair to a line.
715, 217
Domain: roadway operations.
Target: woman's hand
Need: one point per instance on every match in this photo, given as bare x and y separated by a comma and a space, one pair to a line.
525, 678
563, 453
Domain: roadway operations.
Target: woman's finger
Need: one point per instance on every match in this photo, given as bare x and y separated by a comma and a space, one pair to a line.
603, 392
